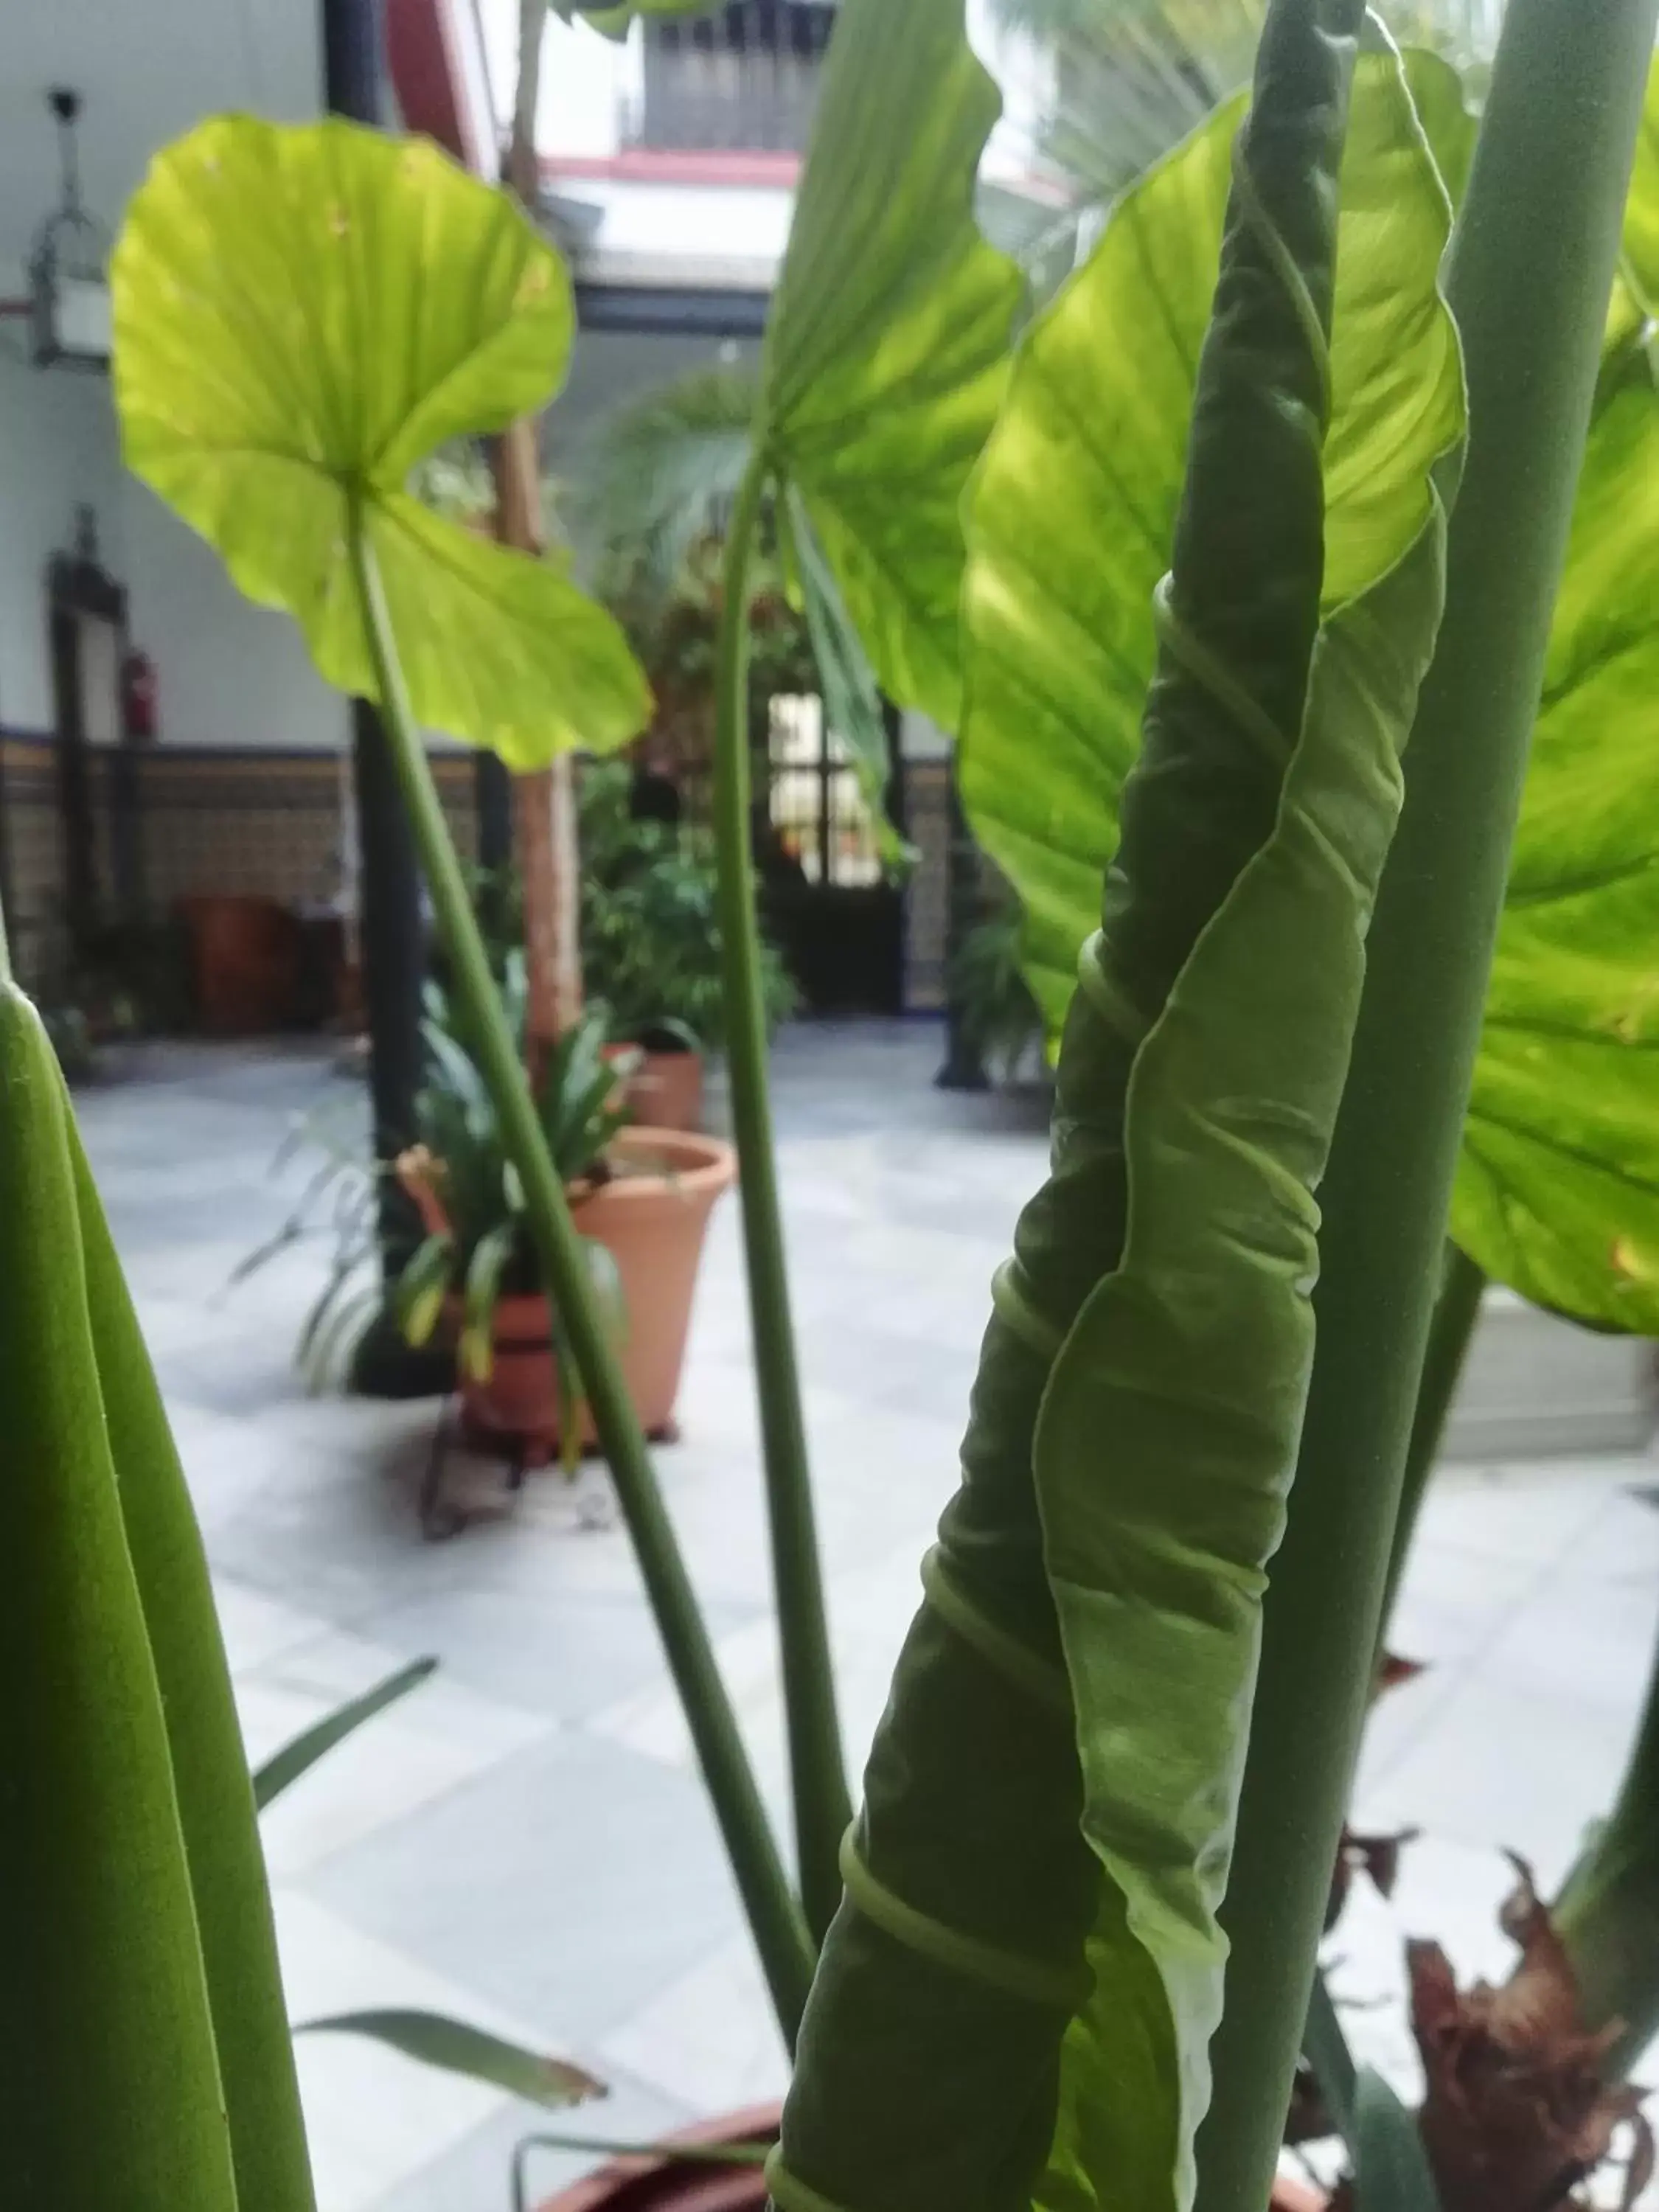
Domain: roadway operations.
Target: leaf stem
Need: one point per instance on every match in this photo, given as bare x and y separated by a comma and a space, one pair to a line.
1528, 277
817, 1773
785, 1952
1456, 1310
1607, 1914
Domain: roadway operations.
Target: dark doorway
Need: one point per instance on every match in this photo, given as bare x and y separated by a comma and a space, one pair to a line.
86, 621
826, 887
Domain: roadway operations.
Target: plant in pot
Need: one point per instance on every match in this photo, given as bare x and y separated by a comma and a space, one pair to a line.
1014, 2004
640, 1199
651, 946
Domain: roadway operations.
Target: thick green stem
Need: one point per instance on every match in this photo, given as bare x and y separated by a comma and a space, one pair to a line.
817, 1774
1455, 1312
1528, 277
780, 1937
1608, 1913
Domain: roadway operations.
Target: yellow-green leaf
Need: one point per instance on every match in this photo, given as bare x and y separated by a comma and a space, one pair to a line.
1071, 514
887, 349
302, 314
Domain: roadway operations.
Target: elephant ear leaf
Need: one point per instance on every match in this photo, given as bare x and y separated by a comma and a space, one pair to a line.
1073, 506
1168, 1432
1558, 1189
302, 314
887, 348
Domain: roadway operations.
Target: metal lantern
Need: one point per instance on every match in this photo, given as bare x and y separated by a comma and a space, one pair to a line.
68, 264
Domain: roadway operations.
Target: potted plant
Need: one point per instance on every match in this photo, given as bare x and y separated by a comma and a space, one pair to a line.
651, 946
640, 1199
1014, 2004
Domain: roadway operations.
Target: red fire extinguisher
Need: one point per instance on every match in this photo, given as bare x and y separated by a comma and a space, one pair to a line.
138, 696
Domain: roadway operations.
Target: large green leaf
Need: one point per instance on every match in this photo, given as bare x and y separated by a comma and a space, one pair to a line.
1558, 1189
215, 1805
110, 2090
302, 314
886, 350
995, 1997
1071, 514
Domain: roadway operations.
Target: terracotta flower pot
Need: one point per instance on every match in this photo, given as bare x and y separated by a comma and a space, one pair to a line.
655, 2184
665, 1090
652, 2184
653, 1224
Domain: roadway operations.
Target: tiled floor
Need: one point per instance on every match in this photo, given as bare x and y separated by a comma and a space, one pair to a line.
524, 1840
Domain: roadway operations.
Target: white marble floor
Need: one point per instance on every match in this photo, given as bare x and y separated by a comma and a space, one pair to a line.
523, 1841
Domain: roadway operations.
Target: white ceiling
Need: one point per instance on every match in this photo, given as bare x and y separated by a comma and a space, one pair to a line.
147, 70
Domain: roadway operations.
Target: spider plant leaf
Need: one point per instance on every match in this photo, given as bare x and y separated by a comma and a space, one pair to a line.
302, 314
1087, 1654
480, 1296
423, 1287
886, 349
299, 1755
456, 2047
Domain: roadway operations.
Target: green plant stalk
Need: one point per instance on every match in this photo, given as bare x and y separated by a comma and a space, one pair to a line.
1529, 276
1456, 1310
817, 1773
1607, 1914
786, 1953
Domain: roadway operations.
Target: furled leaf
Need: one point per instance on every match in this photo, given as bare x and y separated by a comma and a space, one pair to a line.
302, 314
1071, 514
886, 349
990, 1994
456, 2047
284, 1768
227, 1881
110, 2085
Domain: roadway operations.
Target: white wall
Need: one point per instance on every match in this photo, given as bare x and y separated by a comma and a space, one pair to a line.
56, 448
229, 673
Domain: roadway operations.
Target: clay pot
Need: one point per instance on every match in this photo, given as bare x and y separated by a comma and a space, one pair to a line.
653, 1225
244, 963
666, 1090
649, 2185
655, 2184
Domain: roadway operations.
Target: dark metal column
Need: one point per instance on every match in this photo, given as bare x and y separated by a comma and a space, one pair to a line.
392, 935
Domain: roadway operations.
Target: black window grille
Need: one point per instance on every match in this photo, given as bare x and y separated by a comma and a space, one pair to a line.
743, 79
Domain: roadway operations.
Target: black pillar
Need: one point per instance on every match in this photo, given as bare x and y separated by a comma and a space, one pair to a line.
492, 797
392, 936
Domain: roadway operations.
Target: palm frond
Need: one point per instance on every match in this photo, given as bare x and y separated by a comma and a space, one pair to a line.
659, 476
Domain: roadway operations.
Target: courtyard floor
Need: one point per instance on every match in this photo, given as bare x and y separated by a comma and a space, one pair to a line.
524, 1841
